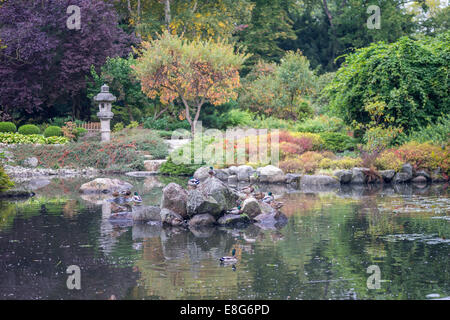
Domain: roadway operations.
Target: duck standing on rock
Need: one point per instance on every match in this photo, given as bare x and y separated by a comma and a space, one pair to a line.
136, 198
193, 183
211, 172
229, 259
276, 205
248, 190
269, 198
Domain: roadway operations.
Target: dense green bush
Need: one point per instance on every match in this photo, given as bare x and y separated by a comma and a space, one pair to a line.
170, 168
438, 132
28, 129
238, 118
262, 122
7, 127
53, 131
17, 138
79, 132
166, 123
337, 142
5, 182
409, 76
118, 126
321, 124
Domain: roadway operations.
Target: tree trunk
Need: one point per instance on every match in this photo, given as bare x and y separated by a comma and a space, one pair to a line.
130, 114
167, 17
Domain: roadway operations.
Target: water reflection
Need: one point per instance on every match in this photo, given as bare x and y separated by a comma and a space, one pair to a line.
322, 252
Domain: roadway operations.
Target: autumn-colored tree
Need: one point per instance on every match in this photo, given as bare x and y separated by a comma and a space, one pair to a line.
195, 72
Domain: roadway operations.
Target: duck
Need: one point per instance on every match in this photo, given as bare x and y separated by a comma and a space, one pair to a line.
248, 189
136, 198
116, 194
229, 259
269, 198
277, 205
236, 210
125, 193
259, 195
193, 183
211, 172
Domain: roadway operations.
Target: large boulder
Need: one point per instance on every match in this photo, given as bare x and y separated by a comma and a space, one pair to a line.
31, 162
344, 176
202, 220
243, 172
153, 165
221, 174
387, 175
251, 207
405, 175
424, 174
232, 179
218, 190
171, 218
233, 220
293, 178
175, 199
146, 213
318, 180
273, 220
358, 176
271, 174
201, 173
198, 203
105, 185
437, 176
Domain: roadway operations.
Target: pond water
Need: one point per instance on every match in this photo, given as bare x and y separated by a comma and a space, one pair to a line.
323, 252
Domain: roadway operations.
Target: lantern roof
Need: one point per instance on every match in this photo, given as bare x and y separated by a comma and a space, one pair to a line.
105, 95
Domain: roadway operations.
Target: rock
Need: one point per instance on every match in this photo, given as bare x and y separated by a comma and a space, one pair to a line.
105, 185
233, 220
202, 220
139, 174
175, 198
358, 176
221, 174
273, 220
251, 207
387, 175
293, 178
198, 203
318, 180
344, 176
171, 218
423, 173
201, 173
436, 176
232, 170
408, 169
153, 165
419, 179
244, 172
146, 213
31, 162
271, 174
233, 179
266, 208
218, 190
254, 178
405, 175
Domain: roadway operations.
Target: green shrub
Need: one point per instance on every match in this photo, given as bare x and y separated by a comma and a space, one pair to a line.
118, 126
337, 142
28, 129
238, 118
262, 122
17, 138
438, 132
166, 123
53, 131
170, 168
321, 124
80, 132
7, 127
133, 124
5, 182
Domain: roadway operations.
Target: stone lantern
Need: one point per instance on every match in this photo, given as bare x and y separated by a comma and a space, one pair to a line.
105, 100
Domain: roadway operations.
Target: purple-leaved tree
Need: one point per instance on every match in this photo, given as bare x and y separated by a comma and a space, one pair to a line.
45, 64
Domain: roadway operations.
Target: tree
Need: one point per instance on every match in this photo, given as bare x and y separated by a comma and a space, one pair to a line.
280, 90
408, 77
45, 64
194, 72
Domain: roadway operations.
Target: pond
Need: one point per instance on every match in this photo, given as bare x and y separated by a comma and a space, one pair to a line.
323, 252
